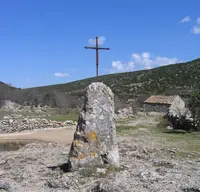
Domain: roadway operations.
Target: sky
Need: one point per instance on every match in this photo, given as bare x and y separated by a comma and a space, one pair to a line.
42, 41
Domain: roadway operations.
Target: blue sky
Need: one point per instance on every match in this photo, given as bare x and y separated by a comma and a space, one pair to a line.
42, 41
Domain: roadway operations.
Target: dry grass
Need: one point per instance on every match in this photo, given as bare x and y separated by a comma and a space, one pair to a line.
61, 118
185, 144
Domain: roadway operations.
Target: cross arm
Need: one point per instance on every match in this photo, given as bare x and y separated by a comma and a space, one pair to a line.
86, 47
100, 48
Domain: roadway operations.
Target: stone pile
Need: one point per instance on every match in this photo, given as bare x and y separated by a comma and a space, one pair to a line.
18, 125
10, 106
124, 113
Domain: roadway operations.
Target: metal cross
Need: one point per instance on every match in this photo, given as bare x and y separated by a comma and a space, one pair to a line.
97, 48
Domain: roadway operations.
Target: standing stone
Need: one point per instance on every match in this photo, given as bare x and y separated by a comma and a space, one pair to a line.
94, 140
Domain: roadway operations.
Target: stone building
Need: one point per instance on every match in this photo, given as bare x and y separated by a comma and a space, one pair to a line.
163, 104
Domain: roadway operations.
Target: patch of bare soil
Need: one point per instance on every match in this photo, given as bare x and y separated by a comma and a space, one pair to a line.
58, 135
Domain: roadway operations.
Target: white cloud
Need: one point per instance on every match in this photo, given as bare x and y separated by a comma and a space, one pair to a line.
166, 61
196, 30
101, 40
142, 61
198, 20
58, 74
117, 66
185, 19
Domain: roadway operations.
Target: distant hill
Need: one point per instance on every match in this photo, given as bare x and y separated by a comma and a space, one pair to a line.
6, 86
179, 78
5, 90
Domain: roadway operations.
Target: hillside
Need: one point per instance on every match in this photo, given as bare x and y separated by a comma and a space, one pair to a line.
5, 90
172, 79
6, 87
179, 79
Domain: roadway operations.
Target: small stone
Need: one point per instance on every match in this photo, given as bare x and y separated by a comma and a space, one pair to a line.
169, 128
144, 150
101, 170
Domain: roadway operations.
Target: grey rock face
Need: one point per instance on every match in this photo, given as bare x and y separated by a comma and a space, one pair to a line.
95, 136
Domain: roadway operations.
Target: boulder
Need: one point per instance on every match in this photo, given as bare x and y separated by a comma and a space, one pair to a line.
95, 140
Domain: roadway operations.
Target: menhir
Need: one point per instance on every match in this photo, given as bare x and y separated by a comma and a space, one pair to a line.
94, 140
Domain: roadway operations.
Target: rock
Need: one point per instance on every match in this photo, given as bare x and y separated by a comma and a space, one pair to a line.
103, 187
4, 185
169, 128
192, 189
10, 106
144, 149
6, 117
124, 113
95, 136
101, 170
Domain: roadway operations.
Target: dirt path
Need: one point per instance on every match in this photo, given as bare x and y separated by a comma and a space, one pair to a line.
58, 135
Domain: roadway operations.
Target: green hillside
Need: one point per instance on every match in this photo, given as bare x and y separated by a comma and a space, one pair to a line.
179, 78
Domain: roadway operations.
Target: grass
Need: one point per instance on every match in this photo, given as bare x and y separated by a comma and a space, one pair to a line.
121, 121
11, 146
92, 171
3, 113
183, 154
27, 113
125, 129
178, 131
165, 79
61, 118
185, 144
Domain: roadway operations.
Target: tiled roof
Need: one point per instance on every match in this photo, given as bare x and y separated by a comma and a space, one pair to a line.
160, 99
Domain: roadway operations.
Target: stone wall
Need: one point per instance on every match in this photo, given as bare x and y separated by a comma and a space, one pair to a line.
160, 108
18, 125
178, 108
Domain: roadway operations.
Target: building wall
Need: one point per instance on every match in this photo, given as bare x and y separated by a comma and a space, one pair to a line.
163, 108
177, 107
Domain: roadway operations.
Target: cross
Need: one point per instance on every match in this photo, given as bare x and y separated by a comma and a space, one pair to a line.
97, 48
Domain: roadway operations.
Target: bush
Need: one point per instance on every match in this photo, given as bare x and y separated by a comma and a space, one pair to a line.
194, 106
181, 123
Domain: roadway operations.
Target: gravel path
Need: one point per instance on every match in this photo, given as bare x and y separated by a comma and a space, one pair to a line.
57, 135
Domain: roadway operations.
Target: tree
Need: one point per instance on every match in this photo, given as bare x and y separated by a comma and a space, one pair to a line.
33, 98
194, 106
2, 99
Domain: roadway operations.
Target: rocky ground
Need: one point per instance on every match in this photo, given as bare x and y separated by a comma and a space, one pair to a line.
148, 163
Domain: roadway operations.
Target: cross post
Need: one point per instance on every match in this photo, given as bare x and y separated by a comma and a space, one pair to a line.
97, 48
